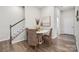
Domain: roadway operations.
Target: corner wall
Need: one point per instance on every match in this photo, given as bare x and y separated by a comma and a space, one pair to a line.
9, 15
77, 29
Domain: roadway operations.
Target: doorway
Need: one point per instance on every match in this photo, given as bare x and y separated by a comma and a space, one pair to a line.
67, 21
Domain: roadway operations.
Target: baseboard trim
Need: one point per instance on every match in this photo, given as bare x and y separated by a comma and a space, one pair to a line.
54, 37
7, 39
13, 42
68, 34
4, 39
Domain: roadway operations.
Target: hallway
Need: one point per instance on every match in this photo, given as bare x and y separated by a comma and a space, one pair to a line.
63, 43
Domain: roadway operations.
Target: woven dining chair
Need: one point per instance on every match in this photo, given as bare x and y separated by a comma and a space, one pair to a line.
48, 38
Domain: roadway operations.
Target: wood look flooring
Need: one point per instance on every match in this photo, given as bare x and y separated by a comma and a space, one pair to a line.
63, 43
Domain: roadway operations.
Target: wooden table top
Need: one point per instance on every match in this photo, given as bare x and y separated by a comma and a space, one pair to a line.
42, 31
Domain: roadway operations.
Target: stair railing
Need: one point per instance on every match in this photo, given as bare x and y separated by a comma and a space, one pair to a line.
11, 26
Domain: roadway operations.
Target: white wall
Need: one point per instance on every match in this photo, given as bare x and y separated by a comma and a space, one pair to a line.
77, 29
50, 11
13, 14
9, 15
67, 21
31, 13
57, 21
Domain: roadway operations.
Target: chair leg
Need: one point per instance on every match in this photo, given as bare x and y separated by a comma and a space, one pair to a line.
34, 48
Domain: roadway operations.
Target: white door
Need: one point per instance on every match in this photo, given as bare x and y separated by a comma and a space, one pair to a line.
67, 21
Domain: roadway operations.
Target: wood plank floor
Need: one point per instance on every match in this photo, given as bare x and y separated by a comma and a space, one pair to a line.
63, 43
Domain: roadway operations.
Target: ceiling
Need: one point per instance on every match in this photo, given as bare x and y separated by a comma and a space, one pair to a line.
40, 7
62, 8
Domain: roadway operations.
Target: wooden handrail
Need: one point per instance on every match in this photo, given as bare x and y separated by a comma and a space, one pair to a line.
17, 22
